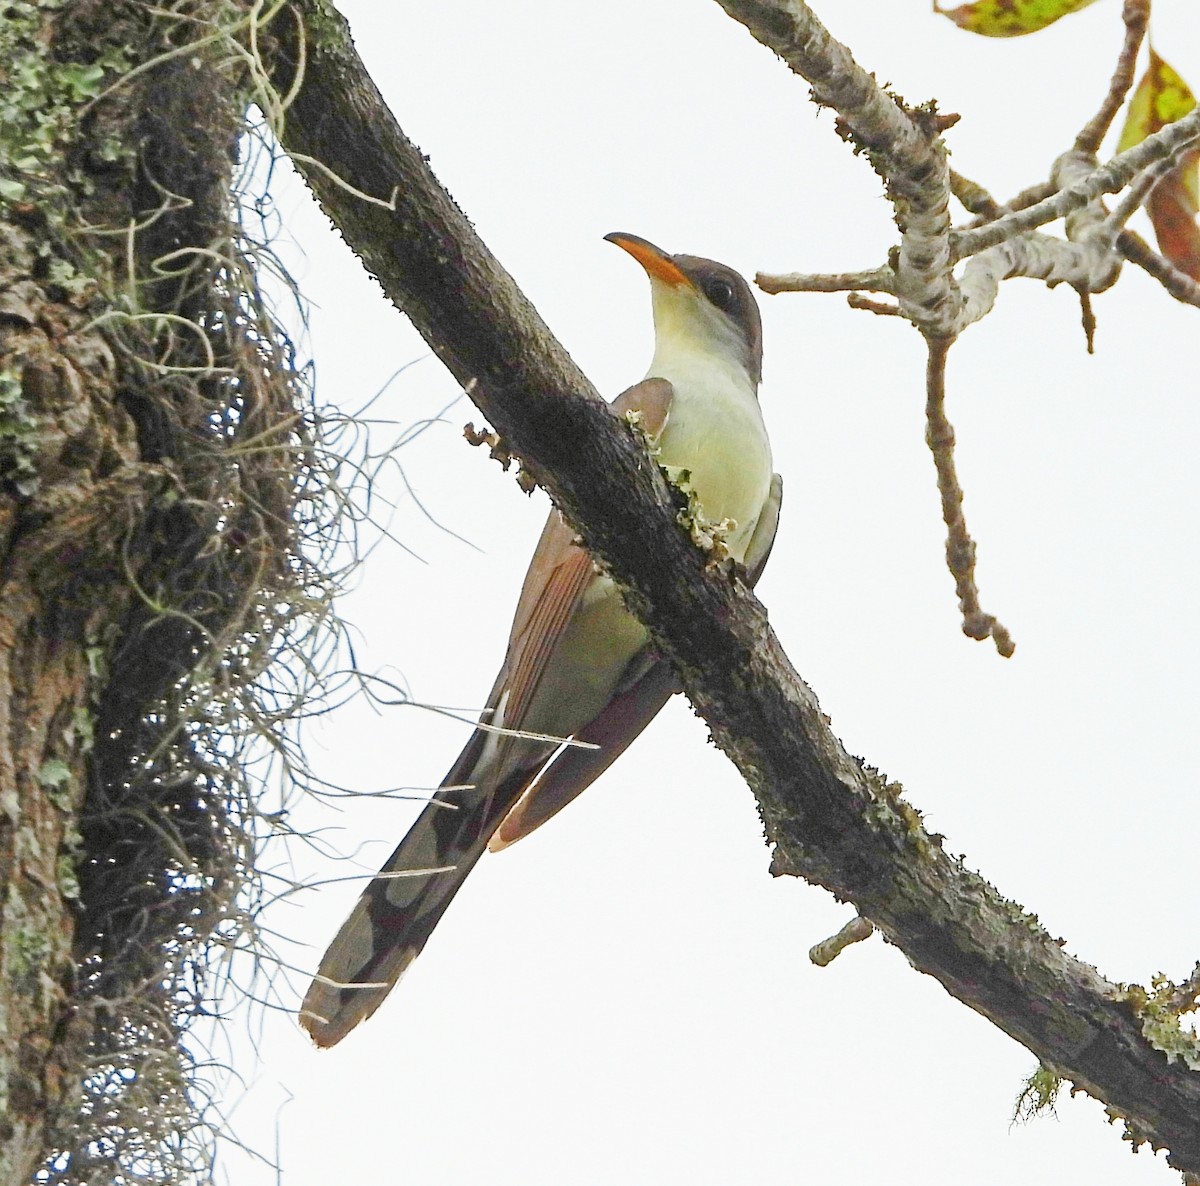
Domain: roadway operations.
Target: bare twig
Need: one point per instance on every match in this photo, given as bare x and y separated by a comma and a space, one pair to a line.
1107, 179
1177, 283
1026, 198
1136, 196
974, 198
1136, 16
960, 547
874, 280
1088, 319
855, 931
881, 308
1031, 195
1085, 266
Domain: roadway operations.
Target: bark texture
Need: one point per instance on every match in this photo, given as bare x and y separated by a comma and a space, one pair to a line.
831, 818
135, 539
65, 434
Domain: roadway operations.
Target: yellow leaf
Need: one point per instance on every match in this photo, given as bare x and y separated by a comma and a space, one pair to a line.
1009, 18
1161, 98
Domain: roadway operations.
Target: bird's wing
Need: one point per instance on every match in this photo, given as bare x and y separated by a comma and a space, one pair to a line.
575, 769
651, 398
625, 716
758, 550
560, 571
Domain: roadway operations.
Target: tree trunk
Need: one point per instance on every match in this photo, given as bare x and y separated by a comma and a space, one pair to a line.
137, 539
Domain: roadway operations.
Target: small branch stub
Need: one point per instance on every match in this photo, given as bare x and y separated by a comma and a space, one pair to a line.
499, 452
855, 931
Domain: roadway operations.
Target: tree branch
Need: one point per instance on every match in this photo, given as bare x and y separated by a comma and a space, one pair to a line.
960, 547
832, 820
1084, 266
1136, 15
1106, 179
1177, 283
874, 280
902, 145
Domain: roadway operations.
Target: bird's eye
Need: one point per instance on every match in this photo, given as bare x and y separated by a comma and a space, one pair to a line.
719, 292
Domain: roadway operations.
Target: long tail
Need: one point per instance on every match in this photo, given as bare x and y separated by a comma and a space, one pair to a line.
398, 910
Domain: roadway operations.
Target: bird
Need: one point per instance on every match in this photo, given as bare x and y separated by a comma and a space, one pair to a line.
578, 665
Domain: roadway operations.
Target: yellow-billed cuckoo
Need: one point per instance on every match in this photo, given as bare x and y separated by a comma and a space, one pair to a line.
578, 664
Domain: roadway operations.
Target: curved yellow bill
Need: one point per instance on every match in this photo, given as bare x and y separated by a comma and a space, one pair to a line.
656, 261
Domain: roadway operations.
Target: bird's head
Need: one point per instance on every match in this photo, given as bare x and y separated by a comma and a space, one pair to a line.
700, 306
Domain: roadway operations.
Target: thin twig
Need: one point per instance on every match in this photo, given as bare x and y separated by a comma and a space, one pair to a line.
1026, 198
1107, 179
1088, 318
881, 308
1177, 283
1136, 16
1031, 195
974, 197
1137, 195
874, 280
960, 547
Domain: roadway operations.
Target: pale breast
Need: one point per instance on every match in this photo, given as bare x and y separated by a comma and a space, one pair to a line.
716, 431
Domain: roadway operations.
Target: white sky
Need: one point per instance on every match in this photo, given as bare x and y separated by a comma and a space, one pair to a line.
626, 996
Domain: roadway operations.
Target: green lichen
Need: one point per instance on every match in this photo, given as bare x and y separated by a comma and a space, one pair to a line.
81, 729
40, 105
67, 878
18, 437
29, 954
65, 275
708, 535
325, 28
1038, 1095
1157, 1009
55, 779
888, 811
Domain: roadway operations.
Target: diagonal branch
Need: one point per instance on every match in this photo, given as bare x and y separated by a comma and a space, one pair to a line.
831, 820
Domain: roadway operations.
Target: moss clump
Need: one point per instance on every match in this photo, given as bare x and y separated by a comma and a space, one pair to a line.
1038, 1096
